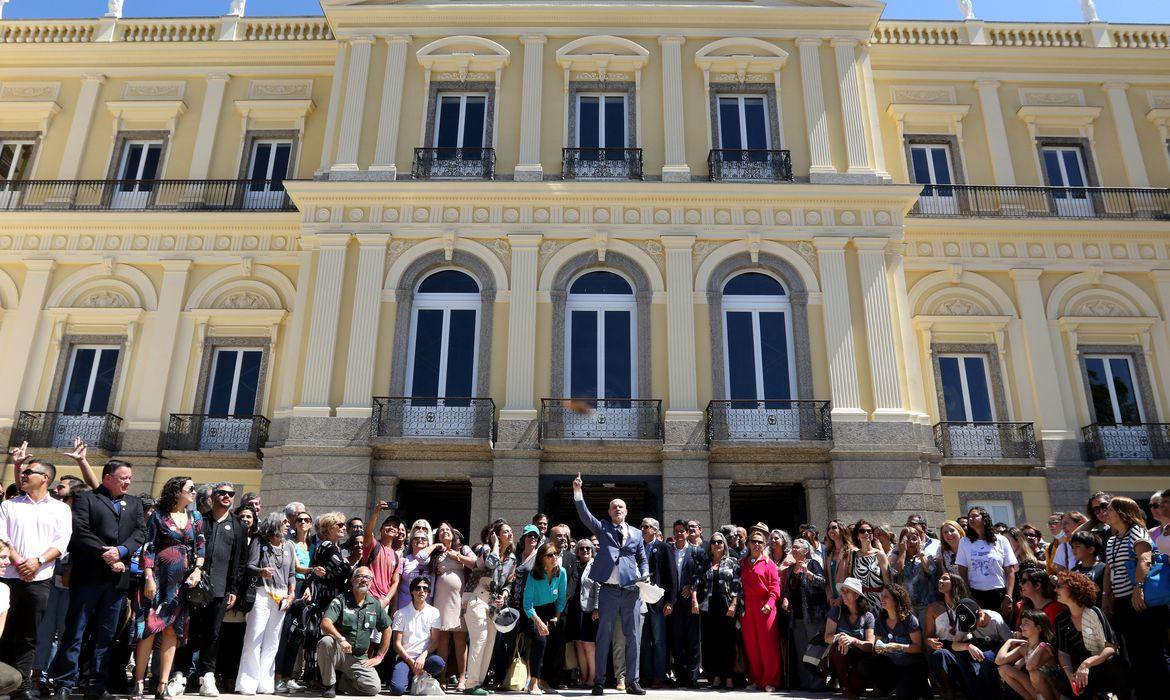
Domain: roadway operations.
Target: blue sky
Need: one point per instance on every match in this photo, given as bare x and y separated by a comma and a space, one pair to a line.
1016, 10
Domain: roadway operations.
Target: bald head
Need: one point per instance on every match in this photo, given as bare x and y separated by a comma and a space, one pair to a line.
617, 511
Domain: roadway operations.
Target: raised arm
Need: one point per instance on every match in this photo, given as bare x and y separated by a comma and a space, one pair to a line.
78, 455
591, 522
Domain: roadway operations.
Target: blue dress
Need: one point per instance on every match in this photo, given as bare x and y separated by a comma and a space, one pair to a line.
170, 552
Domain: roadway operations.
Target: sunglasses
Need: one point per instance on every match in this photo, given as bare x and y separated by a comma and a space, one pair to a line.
551, 555
304, 520
584, 549
865, 532
30, 472
1101, 507
221, 492
422, 589
757, 542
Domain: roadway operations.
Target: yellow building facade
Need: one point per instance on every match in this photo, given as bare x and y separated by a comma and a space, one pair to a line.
736, 260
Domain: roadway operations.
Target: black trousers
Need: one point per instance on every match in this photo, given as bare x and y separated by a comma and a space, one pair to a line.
18, 646
543, 649
906, 680
1145, 641
718, 637
685, 638
205, 624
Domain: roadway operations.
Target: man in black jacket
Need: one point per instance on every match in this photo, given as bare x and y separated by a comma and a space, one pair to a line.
108, 527
654, 643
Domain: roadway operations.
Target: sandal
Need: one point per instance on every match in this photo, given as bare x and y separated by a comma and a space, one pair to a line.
136, 694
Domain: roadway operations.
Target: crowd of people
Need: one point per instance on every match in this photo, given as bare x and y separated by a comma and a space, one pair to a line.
199, 591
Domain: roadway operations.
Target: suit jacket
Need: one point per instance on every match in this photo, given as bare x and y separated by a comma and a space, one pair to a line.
96, 525
626, 553
661, 568
694, 561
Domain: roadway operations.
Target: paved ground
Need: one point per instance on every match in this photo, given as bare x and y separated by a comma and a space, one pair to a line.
582, 694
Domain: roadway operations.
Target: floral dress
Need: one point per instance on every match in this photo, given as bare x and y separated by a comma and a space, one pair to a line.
170, 552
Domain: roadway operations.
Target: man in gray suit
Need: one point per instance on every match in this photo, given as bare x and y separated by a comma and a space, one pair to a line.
619, 565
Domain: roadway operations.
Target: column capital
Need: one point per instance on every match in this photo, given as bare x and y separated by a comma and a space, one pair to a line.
844, 41
815, 41
1029, 274
533, 39
398, 38
987, 84
481, 482
333, 240
525, 240
218, 76
871, 244
1160, 276
40, 265
1115, 85
176, 265
677, 39
678, 241
372, 240
827, 244
94, 78
362, 39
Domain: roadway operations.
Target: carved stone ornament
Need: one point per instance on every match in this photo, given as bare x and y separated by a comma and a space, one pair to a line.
29, 91
549, 249
1103, 308
154, 90
451, 76
940, 95
104, 299
281, 89
503, 251
805, 250
243, 300
958, 306
701, 250
1159, 99
1052, 97
397, 247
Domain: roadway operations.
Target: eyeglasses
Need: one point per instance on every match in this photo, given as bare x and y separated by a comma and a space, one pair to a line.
865, 531
363, 577
551, 555
30, 472
422, 589
221, 492
304, 520
647, 527
757, 542
188, 489
584, 549
719, 543
1101, 507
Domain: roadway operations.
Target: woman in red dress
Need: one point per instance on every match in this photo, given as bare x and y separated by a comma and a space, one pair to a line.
762, 596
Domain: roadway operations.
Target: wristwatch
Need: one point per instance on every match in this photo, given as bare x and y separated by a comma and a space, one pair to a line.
40, 562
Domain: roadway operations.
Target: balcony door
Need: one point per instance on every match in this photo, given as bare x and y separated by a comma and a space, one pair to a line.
601, 127
231, 399
15, 164
1117, 406
1065, 168
268, 165
743, 124
600, 356
137, 172
969, 408
931, 167
85, 397
460, 126
443, 356
760, 364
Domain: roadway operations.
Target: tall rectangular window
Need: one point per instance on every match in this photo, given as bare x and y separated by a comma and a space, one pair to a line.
460, 121
1112, 385
966, 389
601, 124
89, 379
234, 381
743, 123
15, 161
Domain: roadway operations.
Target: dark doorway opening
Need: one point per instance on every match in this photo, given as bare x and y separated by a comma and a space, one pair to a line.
437, 501
776, 505
642, 494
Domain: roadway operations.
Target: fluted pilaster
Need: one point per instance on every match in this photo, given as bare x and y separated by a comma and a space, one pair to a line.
91, 86
363, 329
208, 124
1131, 150
529, 167
355, 102
816, 121
849, 85
323, 326
391, 114
675, 169
839, 329
1001, 156
680, 324
879, 328
519, 403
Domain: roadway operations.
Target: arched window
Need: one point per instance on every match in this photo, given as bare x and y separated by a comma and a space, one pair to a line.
760, 363
599, 337
444, 334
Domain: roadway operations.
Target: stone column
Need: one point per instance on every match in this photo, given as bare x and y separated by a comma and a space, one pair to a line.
323, 326
680, 329
515, 486
481, 502
686, 487
291, 346
816, 500
208, 124
895, 255
1050, 390
391, 114
851, 107
879, 329
334, 106
157, 358
529, 168
720, 503
363, 330
815, 118
675, 169
839, 330
16, 337
355, 102
1001, 155
91, 85
519, 413
1131, 150
875, 122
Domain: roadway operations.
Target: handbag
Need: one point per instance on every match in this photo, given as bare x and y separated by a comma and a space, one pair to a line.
516, 678
199, 595
1156, 587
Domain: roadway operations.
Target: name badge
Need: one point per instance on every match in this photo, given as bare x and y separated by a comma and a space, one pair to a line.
228, 528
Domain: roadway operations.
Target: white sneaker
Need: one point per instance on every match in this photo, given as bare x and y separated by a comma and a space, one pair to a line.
282, 687
535, 690
294, 687
207, 686
177, 685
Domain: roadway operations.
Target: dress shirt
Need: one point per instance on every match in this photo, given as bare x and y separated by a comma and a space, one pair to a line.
32, 527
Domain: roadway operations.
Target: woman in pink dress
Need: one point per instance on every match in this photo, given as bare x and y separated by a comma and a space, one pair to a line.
762, 596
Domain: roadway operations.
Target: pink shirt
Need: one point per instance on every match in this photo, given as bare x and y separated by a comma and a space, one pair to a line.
32, 527
383, 565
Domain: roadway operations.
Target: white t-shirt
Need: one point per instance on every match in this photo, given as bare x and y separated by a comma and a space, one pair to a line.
415, 626
985, 562
5, 598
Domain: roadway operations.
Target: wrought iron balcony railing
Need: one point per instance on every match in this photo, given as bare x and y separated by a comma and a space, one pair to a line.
968, 440
145, 195
454, 164
207, 433
418, 416
601, 163
756, 165
775, 420
1043, 202
1140, 441
57, 429
601, 419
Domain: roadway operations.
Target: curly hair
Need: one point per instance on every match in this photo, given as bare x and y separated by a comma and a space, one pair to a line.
988, 526
1081, 588
902, 605
854, 534
538, 570
168, 500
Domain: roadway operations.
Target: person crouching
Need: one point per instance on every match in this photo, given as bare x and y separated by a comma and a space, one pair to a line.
347, 626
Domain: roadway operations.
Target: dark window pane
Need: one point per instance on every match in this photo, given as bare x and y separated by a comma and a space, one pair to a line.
428, 343
601, 282
473, 122
589, 123
103, 384
260, 161
7, 153
448, 129
249, 383
583, 355
757, 124
130, 166
78, 386
448, 282
942, 170
741, 357
220, 391
729, 137
1123, 387
615, 122
150, 168
1072, 166
1099, 389
1052, 167
952, 389
460, 353
920, 165
977, 388
618, 362
774, 354
280, 164
753, 283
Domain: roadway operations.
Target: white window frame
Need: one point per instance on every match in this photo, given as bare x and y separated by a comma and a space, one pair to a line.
600, 303
274, 143
20, 145
602, 98
92, 375
1133, 375
757, 304
1064, 168
929, 148
445, 302
146, 144
996, 505
439, 97
966, 387
740, 99
219, 351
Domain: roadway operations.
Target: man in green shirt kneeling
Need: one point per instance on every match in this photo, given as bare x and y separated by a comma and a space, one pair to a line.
348, 624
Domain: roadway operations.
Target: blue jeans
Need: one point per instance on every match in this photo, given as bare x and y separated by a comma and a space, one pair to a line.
400, 678
654, 644
980, 679
92, 608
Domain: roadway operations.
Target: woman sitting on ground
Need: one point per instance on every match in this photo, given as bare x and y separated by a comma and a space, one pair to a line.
1027, 663
898, 663
849, 630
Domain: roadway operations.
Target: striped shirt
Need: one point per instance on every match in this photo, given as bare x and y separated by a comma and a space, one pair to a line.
1119, 555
